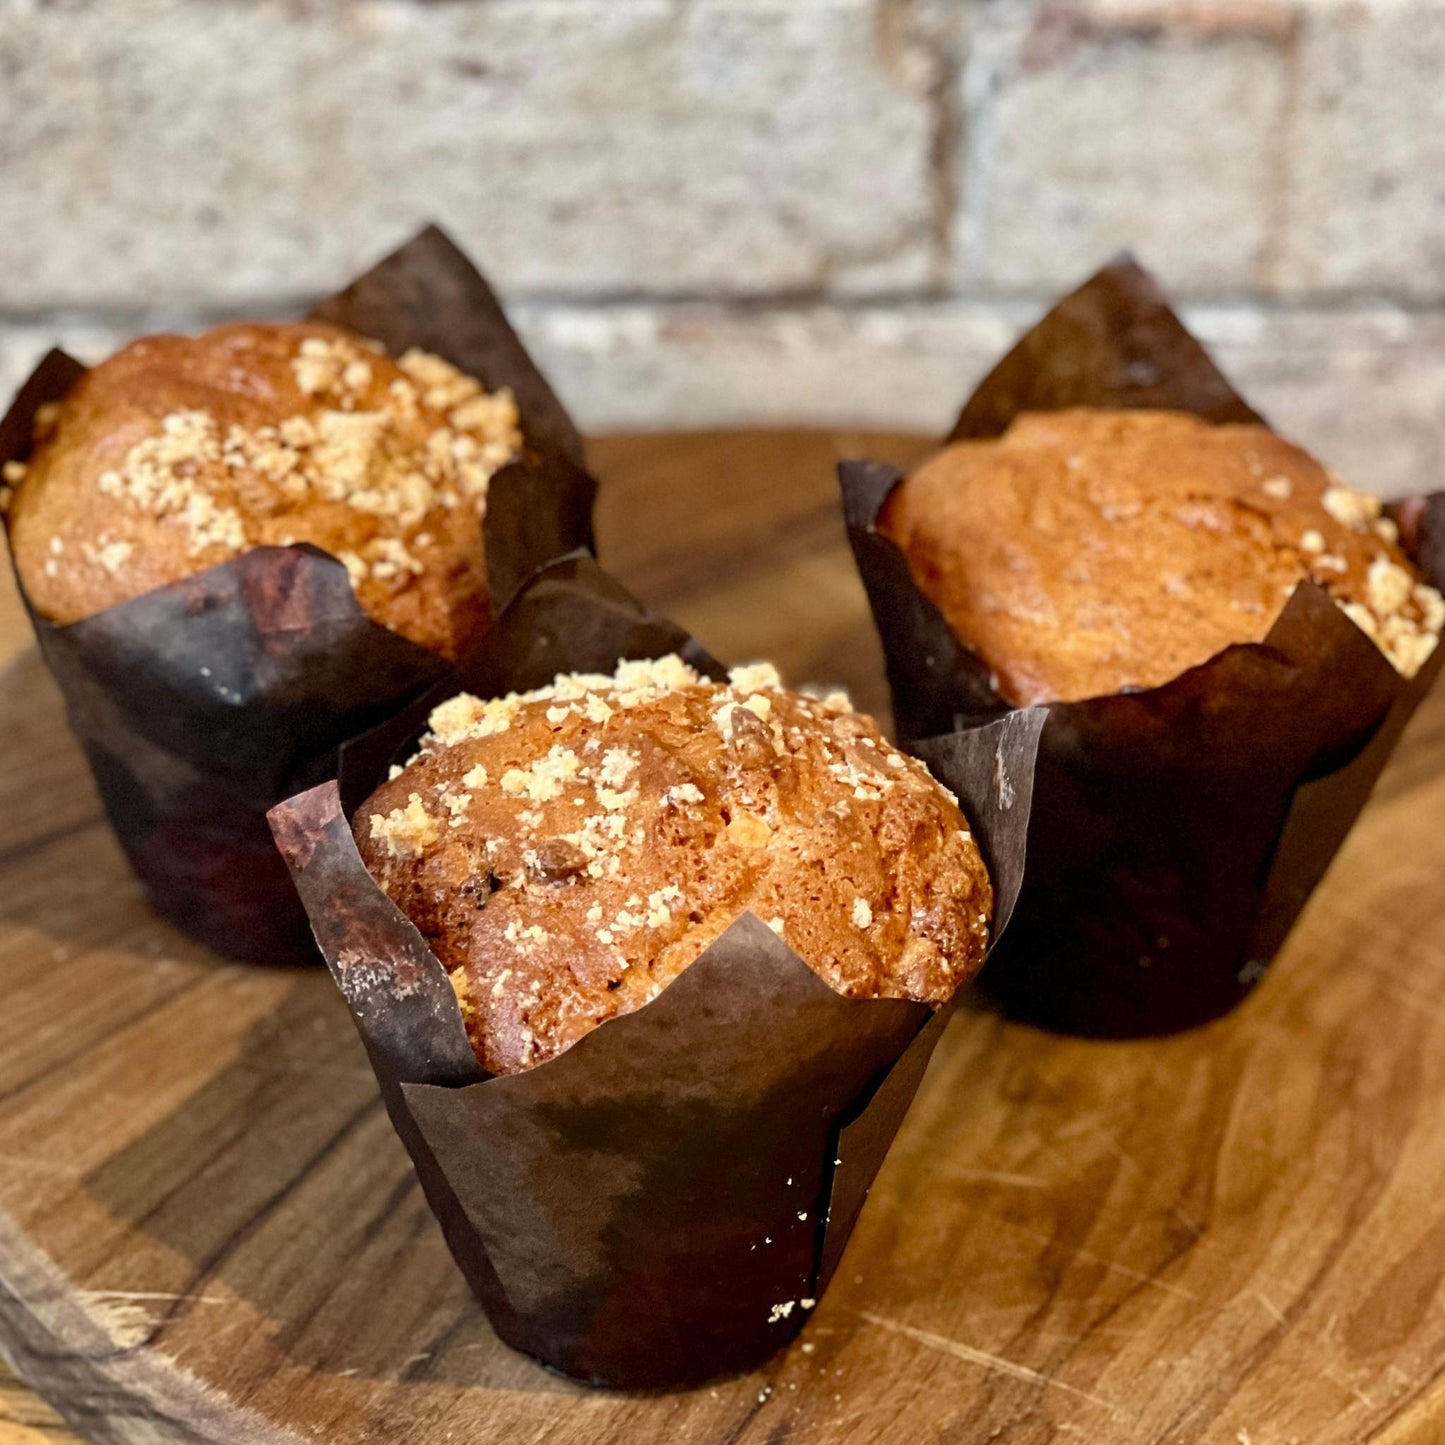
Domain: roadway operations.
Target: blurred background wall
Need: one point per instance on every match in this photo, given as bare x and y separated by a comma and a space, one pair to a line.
727, 212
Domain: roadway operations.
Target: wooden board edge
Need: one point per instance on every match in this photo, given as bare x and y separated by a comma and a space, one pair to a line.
131, 1394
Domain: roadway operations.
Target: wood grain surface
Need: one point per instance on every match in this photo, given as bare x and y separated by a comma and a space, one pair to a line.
208, 1231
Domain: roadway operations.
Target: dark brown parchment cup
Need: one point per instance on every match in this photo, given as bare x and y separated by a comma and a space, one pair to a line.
202, 703
1176, 832
663, 1203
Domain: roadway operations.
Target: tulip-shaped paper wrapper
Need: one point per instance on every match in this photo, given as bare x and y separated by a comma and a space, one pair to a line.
202, 703
663, 1202
1176, 832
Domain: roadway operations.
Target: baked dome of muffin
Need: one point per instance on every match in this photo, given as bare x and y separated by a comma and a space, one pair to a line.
568, 852
179, 453
1087, 552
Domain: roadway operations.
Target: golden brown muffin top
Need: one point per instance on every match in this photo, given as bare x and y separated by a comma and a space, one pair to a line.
1085, 552
568, 852
178, 453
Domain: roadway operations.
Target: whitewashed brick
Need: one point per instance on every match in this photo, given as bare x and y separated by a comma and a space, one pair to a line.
1095, 127
1364, 388
705, 366
172, 151
1367, 178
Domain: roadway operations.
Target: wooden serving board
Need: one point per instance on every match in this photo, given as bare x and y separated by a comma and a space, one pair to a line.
208, 1231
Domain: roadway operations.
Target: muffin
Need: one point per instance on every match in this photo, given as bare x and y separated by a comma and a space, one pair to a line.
1226, 644
1090, 552
180, 453
568, 852
209, 667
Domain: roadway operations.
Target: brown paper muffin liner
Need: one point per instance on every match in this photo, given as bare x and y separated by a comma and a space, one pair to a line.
202, 703
664, 1202
1176, 832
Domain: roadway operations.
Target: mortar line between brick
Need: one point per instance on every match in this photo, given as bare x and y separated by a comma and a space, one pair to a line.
1279, 173
978, 76
137, 319
945, 142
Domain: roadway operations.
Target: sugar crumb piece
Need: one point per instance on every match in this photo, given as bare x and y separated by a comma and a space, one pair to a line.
1351, 509
1312, 541
475, 777
356, 568
862, 913
1277, 487
357, 375
456, 803
1387, 586
13, 472
391, 558
683, 793
111, 556
659, 674
723, 717
776, 924
464, 717
755, 677
526, 937
617, 766
407, 832
545, 779
628, 921
659, 914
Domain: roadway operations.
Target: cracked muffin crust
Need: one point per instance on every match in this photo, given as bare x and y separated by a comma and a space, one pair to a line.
1086, 552
178, 453
568, 852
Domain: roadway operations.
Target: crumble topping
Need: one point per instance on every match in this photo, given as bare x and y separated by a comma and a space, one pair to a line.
108, 555
1350, 509
406, 832
595, 866
368, 455
1401, 616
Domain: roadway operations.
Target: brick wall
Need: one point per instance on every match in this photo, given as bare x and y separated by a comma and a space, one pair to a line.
731, 211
